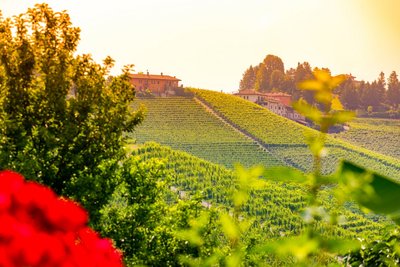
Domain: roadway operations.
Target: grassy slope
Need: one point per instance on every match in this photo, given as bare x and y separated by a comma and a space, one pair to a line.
285, 138
276, 208
380, 135
185, 125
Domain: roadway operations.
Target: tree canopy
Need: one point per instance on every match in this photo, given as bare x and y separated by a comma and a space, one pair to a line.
62, 115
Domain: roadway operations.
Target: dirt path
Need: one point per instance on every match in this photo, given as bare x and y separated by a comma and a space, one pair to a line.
246, 134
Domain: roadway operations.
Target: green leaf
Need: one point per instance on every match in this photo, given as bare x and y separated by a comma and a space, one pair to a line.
340, 246
342, 116
322, 75
312, 85
307, 110
336, 81
383, 194
229, 227
285, 174
301, 247
324, 97
336, 104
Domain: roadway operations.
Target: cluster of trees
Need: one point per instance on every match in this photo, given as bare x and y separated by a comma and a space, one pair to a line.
270, 75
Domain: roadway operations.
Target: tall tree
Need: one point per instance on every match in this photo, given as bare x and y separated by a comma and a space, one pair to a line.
380, 90
272, 63
288, 84
277, 79
248, 80
393, 91
303, 72
348, 93
370, 95
262, 79
63, 118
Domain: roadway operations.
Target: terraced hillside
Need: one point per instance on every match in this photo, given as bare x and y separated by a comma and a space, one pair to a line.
285, 139
276, 207
184, 124
380, 135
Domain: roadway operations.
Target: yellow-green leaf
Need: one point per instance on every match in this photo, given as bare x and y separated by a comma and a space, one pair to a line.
312, 85
229, 227
336, 104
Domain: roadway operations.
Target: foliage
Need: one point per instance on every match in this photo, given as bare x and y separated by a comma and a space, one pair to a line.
40, 229
143, 215
62, 117
382, 252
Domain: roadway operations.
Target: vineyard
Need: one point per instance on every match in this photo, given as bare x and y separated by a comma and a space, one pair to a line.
380, 135
285, 139
183, 124
276, 207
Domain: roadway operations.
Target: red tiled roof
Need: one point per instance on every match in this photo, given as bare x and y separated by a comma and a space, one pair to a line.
276, 94
153, 77
248, 92
253, 92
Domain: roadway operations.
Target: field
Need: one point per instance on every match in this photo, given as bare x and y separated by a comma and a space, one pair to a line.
285, 139
380, 135
276, 207
183, 124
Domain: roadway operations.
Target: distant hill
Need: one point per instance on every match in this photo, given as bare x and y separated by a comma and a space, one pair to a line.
184, 123
285, 139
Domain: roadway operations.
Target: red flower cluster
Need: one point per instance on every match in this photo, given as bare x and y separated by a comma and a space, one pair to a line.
39, 229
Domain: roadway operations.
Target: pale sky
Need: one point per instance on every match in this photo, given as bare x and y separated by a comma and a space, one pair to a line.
209, 43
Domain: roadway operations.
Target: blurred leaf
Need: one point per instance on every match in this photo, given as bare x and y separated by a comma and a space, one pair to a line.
340, 246
311, 85
324, 97
239, 198
342, 116
337, 80
315, 143
308, 111
322, 75
191, 236
229, 227
234, 260
385, 196
301, 247
336, 104
285, 174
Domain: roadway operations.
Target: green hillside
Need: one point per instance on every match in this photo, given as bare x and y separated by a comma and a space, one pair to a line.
184, 124
380, 135
276, 208
285, 139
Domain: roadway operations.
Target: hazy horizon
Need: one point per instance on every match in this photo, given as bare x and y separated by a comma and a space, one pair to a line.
209, 44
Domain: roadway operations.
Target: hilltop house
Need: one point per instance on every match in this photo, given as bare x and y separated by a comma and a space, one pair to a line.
160, 85
279, 103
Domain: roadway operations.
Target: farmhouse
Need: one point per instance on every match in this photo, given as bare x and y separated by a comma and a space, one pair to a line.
279, 103
160, 85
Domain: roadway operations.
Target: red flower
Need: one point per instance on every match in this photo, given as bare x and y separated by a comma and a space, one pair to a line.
39, 229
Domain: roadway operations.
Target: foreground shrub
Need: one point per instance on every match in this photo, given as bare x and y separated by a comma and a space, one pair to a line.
40, 229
